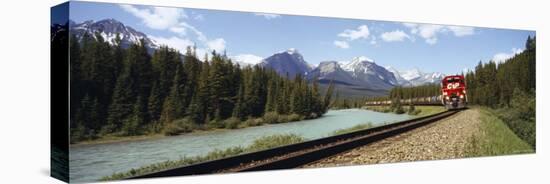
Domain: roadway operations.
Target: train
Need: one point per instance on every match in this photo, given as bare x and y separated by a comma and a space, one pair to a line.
430, 100
453, 91
453, 95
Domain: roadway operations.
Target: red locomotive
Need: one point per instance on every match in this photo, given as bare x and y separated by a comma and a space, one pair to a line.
453, 89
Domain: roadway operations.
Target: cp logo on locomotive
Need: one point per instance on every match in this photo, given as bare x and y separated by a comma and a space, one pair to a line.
453, 85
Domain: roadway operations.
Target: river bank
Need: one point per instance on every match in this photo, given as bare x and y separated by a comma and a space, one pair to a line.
177, 129
93, 161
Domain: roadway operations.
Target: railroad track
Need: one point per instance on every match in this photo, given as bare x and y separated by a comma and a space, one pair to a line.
295, 155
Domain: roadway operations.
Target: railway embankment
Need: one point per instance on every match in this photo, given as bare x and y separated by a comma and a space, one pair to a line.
472, 132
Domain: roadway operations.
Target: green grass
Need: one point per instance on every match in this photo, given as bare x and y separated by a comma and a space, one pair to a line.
495, 138
429, 110
258, 144
353, 128
419, 110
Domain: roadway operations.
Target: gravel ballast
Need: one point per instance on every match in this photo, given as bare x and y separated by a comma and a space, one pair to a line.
445, 139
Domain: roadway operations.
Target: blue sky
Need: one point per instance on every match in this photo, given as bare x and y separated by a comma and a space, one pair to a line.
251, 36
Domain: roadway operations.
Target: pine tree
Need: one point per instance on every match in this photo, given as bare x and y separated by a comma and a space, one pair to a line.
125, 93
270, 105
155, 102
198, 110
238, 111
131, 125
75, 76
173, 105
192, 68
328, 97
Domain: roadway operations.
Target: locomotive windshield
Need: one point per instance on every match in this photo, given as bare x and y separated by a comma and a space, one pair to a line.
454, 79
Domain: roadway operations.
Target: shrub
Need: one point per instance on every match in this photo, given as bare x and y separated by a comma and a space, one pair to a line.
271, 118
232, 123
274, 141
179, 126
295, 117
399, 110
283, 119
520, 116
213, 124
253, 121
411, 108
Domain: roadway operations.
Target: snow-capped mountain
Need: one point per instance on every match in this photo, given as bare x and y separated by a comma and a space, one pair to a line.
289, 62
108, 29
400, 79
370, 74
417, 77
246, 59
331, 70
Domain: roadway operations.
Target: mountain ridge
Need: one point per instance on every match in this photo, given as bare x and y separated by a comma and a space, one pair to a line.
360, 72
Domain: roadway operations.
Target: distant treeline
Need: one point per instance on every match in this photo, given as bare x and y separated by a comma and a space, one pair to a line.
401, 92
117, 91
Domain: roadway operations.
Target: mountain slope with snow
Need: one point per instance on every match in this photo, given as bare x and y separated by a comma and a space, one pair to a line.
331, 71
370, 74
289, 62
417, 77
108, 29
400, 79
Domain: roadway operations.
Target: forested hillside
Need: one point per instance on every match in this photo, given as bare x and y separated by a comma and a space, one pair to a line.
124, 92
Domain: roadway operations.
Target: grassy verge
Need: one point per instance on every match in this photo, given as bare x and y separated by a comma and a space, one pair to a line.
418, 111
353, 128
495, 138
114, 139
184, 126
258, 144
429, 110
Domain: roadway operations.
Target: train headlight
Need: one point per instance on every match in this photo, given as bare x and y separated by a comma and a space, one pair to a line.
461, 96
447, 97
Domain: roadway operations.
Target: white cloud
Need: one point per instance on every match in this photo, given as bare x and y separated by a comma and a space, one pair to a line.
173, 42
394, 36
247, 59
460, 31
217, 44
341, 44
162, 18
430, 31
268, 16
173, 20
502, 56
361, 32
157, 17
